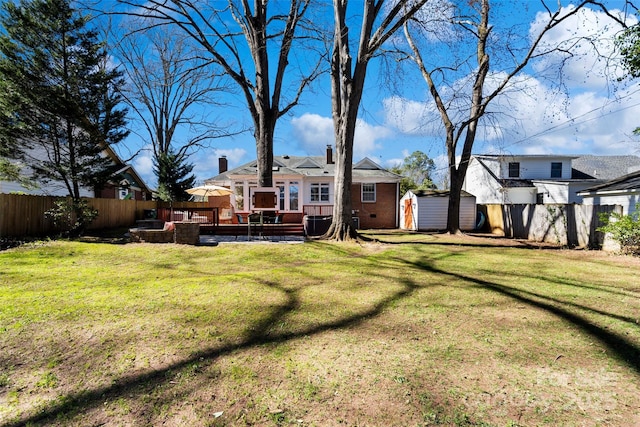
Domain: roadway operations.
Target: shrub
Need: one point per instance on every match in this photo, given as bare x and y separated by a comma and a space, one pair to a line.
72, 216
624, 229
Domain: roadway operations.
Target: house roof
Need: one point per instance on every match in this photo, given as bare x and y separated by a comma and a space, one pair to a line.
126, 171
523, 156
438, 193
627, 182
603, 167
504, 182
309, 166
516, 183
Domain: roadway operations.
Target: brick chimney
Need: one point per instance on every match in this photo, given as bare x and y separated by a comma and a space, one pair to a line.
329, 155
222, 164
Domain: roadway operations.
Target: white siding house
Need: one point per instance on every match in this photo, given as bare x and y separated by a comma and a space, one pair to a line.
524, 179
427, 211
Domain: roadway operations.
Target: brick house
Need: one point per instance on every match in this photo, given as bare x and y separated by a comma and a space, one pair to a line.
304, 185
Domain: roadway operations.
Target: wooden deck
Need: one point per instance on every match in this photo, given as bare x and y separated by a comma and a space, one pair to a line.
210, 223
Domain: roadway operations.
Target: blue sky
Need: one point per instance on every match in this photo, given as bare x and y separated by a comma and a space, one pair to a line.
595, 117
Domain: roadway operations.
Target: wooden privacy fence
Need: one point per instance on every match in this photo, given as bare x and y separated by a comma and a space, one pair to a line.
568, 225
24, 215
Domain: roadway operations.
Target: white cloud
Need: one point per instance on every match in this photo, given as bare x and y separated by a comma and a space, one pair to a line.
390, 163
535, 115
409, 117
589, 35
235, 156
535, 120
206, 163
143, 164
314, 132
366, 138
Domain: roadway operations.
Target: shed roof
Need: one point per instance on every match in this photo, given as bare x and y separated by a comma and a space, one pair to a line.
438, 193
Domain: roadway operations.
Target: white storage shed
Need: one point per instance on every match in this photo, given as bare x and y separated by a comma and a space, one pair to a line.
426, 210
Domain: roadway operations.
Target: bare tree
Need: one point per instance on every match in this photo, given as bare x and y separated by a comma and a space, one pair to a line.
241, 38
473, 20
172, 91
347, 82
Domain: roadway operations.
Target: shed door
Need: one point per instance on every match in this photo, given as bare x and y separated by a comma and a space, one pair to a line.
408, 214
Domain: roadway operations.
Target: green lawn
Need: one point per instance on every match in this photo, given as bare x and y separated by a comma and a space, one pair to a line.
408, 330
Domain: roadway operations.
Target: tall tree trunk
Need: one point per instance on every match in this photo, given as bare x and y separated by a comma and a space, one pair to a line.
346, 90
252, 46
465, 131
342, 227
264, 117
347, 84
478, 106
264, 152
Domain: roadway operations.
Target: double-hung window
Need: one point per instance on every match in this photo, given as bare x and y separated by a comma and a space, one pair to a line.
320, 192
514, 170
368, 192
556, 169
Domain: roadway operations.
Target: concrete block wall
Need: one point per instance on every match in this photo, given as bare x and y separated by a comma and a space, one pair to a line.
187, 233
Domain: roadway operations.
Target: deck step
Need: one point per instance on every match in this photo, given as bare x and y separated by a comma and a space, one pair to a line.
242, 230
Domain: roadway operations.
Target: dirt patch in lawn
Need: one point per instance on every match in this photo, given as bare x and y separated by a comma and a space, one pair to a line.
442, 330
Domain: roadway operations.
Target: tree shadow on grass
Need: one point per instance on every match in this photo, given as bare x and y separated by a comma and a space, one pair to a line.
565, 283
622, 348
480, 240
587, 287
257, 335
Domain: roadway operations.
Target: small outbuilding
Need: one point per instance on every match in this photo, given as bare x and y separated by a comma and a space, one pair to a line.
426, 210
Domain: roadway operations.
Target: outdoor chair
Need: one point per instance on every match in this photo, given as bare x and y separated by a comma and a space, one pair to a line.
278, 230
255, 225
269, 217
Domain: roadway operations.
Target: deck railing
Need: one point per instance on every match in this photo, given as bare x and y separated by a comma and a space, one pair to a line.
206, 215
318, 210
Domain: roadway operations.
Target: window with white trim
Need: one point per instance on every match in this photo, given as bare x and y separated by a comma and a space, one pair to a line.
281, 198
320, 192
123, 193
368, 192
293, 196
239, 193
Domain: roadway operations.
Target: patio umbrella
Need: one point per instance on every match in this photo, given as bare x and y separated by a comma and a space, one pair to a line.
209, 190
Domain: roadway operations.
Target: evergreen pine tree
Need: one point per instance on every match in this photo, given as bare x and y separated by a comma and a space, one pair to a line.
173, 176
59, 106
